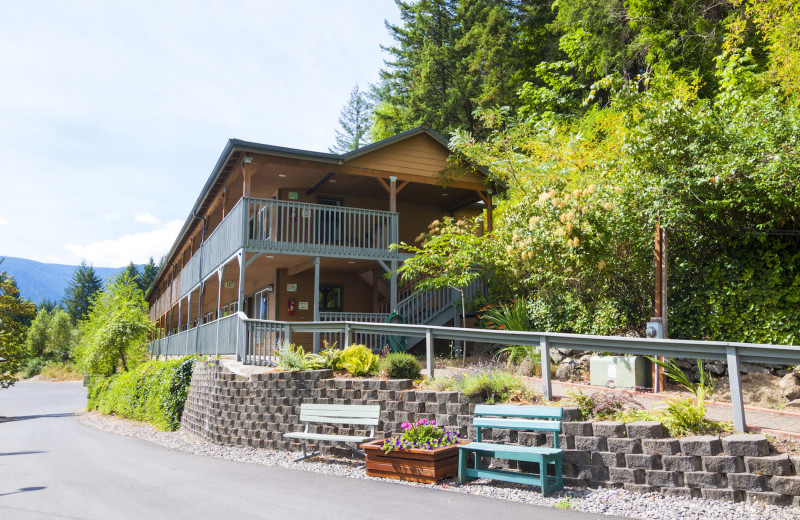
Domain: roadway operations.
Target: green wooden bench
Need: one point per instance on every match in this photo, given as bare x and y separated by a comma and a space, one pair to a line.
354, 414
528, 418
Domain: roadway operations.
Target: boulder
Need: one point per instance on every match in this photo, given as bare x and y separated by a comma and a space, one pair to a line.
749, 368
556, 356
793, 404
790, 387
526, 367
564, 372
717, 369
796, 371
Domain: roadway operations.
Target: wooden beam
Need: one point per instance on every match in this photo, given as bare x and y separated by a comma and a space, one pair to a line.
400, 188
299, 268
383, 183
460, 203
482, 197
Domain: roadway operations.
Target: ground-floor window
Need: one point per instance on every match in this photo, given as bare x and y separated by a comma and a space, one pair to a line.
330, 298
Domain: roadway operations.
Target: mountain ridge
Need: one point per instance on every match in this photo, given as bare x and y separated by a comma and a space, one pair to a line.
39, 280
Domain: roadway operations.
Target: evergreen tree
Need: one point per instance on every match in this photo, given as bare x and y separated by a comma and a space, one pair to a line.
47, 305
132, 272
355, 120
148, 276
85, 283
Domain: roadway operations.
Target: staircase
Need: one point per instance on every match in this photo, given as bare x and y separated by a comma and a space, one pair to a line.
434, 308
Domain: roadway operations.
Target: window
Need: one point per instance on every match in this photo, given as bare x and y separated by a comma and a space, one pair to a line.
330, 298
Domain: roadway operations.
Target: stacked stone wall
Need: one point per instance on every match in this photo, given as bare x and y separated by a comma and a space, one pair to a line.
230, 410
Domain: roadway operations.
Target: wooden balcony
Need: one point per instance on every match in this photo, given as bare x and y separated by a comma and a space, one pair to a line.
297, 228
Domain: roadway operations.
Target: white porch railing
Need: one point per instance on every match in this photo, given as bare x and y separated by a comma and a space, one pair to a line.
373, 341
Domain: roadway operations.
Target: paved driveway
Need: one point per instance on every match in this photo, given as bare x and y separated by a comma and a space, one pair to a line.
52, 467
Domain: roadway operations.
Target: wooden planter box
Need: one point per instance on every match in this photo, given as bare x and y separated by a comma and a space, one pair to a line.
427, 466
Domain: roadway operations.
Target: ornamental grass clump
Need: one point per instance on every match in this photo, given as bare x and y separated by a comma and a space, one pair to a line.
421, 435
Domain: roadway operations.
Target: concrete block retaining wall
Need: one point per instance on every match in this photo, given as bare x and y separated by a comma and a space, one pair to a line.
228, 409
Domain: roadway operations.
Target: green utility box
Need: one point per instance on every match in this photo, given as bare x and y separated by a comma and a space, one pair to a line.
620, 371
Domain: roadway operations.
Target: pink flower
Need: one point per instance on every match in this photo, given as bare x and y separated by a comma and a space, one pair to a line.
432, 423
422, 421
405, 425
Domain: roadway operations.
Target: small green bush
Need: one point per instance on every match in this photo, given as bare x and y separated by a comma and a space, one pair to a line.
33, 367
292, 358
154, 392
493, 386
330, 358
359, 360
399, 365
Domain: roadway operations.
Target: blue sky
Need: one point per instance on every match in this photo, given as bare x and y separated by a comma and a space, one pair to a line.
112, 114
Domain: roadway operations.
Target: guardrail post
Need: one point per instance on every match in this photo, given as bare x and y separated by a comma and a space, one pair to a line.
547, 384
736, 389
428, 353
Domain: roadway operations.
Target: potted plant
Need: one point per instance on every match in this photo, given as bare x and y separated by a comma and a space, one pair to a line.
424, 452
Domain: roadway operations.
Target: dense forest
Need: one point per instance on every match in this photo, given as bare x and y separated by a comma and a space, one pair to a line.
598, 120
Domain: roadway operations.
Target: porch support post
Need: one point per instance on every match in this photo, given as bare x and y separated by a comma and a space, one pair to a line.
393, 288
242, 266
547, 386
736, 389
316, 302
489, 217
199, 317
188, 319
392, 193
220, 276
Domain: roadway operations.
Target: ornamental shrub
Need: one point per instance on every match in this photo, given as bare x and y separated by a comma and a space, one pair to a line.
359, 360
292, 358
153, 392
399, 365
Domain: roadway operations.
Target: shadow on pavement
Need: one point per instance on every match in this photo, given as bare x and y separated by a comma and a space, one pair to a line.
23, 490
39, 416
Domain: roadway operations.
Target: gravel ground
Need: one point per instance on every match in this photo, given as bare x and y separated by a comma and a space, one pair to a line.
649, 506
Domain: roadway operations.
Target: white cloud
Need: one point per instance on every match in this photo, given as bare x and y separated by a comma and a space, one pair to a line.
112, 216
4, 222
146, 218
136, 248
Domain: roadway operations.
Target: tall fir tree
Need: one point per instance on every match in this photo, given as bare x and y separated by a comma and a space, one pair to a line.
148, 276
355, 121
85, 283
132, 272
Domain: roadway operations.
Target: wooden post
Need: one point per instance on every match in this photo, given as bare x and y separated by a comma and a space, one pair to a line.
241, 257
316, 302
734, 378
392, 193
220, 276
660, 302
347, 335
547, 385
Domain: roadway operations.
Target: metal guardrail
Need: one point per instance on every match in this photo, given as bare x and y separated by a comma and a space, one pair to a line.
733, 353
255, 342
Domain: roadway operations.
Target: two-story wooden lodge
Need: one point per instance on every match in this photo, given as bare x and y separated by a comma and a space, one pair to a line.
285, 234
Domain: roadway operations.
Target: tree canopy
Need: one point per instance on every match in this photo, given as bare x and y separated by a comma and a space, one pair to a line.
83, 285
15, 313
115, 332
354, 122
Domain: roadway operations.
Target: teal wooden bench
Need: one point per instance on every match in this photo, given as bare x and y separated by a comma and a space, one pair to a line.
528, 418
354, 414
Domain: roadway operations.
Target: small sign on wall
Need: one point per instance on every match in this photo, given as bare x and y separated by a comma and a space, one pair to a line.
228, 285
291, 287
292, 195
303, 306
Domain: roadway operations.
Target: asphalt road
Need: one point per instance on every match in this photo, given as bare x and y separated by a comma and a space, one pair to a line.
53, 467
